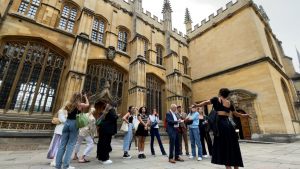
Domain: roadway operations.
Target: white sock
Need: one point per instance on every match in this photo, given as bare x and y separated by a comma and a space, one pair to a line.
140, 153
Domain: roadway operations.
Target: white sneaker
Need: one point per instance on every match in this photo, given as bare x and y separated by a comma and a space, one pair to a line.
191, 157
71, 167
205, 156
100, 161
137, 148
107, 162
52, 164
199, 159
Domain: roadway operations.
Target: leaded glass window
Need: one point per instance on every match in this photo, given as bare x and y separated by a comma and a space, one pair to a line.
158, 55
122, 41
102, 73
27, 77
154, 95
186, 99
68, 17
145, 49
185, 66
98, 31
29, 7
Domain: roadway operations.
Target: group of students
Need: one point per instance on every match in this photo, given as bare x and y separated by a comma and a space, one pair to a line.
224, 151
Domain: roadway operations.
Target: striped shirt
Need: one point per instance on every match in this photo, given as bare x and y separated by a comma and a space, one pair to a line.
144, 117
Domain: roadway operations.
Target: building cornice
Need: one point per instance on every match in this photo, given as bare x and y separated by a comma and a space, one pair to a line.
263, 59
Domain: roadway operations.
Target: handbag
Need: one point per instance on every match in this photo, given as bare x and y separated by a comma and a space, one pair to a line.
231, 122
189, 122
55, 119
99, 121
153, 124
136, 123
124, 127
81, 120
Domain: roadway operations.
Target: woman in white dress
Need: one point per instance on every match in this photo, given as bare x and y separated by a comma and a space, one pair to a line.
62, 115
86, 133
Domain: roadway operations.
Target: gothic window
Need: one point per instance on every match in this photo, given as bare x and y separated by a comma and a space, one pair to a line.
68, 17
271, 46
158, 55
154, 95
186, 99
185, 66
122, 41
34, 87
97, 75
98, 31
288, 99
145, 49
29, 7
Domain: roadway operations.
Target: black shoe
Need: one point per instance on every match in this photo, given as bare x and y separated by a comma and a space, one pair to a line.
140, 156
126, 156
143, 155
180, 154
187, 154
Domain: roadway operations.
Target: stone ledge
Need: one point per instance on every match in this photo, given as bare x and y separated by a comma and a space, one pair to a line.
27, 134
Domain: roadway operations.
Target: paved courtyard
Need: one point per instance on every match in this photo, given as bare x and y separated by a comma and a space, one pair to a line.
256, 156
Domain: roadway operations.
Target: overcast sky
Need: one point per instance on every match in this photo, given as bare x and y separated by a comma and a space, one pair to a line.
283, 14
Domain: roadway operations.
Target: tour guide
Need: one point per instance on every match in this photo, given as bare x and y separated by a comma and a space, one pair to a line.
173, 129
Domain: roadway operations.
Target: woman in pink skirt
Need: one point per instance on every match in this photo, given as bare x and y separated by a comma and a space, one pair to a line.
62, 117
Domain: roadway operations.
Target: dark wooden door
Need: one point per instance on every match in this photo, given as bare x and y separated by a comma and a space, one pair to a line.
99, 108
246, 128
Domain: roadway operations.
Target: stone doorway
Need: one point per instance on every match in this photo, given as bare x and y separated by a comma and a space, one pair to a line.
243, 126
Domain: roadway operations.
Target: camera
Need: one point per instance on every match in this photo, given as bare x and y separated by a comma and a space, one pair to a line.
83, 92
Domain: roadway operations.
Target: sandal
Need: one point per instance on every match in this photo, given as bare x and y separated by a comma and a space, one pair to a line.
85, 161
75, 158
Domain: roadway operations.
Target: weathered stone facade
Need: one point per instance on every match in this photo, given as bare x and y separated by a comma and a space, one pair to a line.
113, 50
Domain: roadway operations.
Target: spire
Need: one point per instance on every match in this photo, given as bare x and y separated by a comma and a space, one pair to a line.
188, 17
167, 6
298, 54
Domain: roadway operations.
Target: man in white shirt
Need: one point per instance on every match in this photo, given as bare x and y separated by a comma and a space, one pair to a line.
173, 129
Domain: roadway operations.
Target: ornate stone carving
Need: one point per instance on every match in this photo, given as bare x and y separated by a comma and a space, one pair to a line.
263, 14
111, 53
26, 126
105, 94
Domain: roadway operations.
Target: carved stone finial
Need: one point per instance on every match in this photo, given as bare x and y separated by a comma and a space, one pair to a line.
188, 17
106, 86
167, 6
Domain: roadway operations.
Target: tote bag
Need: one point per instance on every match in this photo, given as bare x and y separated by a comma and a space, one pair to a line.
81, 120
124, 127
136, 123
99, 121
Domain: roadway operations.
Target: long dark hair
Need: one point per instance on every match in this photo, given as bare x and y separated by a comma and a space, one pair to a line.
129, 110
113, 104
140, 111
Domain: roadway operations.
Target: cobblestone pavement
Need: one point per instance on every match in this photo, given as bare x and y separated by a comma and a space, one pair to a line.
257, 156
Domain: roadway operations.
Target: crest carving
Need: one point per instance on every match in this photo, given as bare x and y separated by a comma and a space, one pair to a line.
111, 53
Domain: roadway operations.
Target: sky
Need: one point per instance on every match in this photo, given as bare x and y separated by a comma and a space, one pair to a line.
283, 15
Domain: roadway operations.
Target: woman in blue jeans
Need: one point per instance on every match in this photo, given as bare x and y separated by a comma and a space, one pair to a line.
194, 134
70, 131
154, 119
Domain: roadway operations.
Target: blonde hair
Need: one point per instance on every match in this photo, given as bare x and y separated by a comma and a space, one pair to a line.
74, 102
63, 108
91, 112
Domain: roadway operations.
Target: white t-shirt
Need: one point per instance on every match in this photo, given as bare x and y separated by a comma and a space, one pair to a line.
153, 119
175, 118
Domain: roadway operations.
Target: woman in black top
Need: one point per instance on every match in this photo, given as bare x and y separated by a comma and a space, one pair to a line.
142, 131
203, 134
226, 149
70, 132
106, 131
128, 118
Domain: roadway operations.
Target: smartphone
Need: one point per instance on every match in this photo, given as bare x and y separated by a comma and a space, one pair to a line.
83, 92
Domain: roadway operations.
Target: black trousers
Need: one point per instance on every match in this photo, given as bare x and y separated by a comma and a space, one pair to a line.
174, 141
103, 147
206, 136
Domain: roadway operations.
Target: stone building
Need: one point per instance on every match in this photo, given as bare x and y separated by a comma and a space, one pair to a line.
50, 49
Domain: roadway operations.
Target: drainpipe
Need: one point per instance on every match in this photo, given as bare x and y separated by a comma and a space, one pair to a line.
6, 11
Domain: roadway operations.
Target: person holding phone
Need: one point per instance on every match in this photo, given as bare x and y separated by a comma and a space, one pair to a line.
106, 130
70, 131
154, 121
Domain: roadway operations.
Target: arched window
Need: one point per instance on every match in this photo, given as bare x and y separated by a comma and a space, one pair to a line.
29, 7
68, 17
271, 46
145, 49
185, 66
158, 55
122, 40
29, 76
186, 99
154, 95
98, 31
98, 74
288, 99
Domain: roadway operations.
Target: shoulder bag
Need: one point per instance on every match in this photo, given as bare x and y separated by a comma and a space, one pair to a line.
136, 123
188, 122
81, 120
124, 127
99, 121
55, 119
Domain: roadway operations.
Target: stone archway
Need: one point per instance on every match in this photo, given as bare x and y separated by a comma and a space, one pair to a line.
244, 100
104, 95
